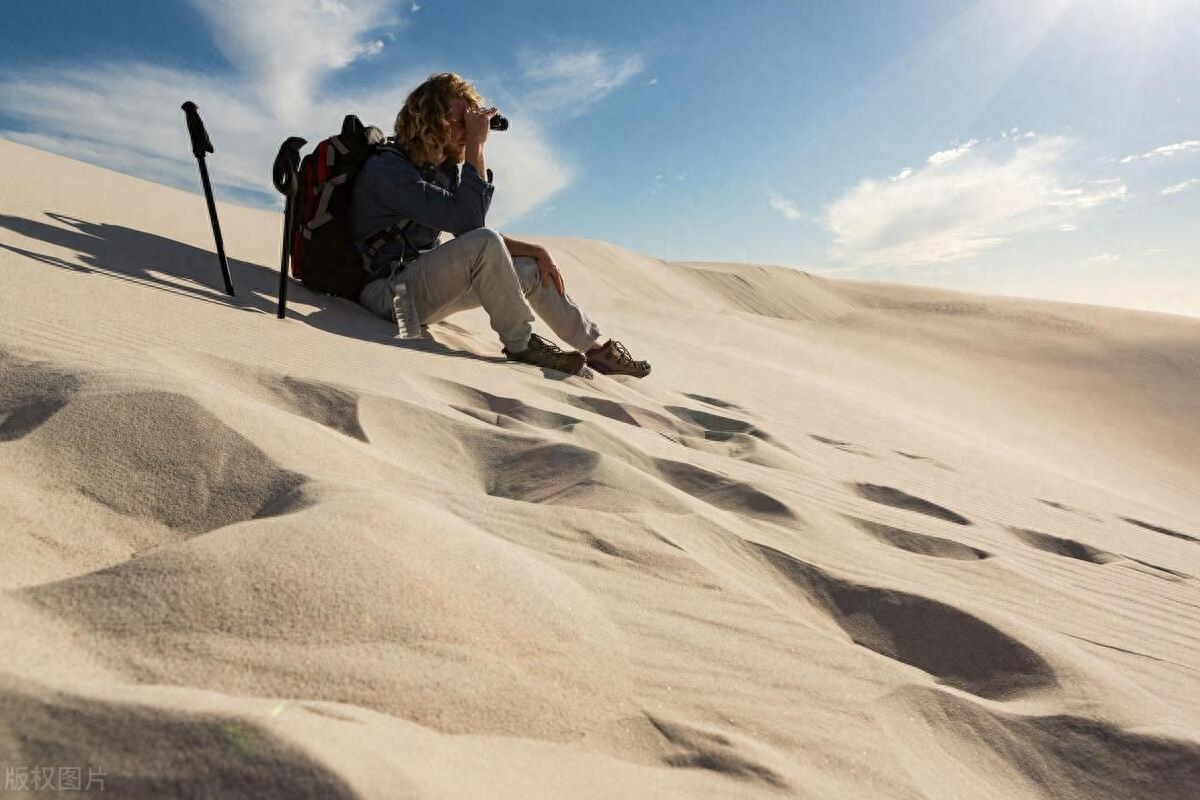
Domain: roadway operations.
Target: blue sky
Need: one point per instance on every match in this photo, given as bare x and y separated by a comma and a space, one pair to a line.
1046, 148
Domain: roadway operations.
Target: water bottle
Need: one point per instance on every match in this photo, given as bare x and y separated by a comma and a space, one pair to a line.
406, 311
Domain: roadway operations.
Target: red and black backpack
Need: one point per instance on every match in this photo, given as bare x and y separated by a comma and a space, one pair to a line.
322, 246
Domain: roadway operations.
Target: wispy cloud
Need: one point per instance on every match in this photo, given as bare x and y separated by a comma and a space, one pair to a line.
783, 205
902, 174
1106, 257
1166, 151
528, 170
1182, 187
1089, 194
1067, 228
953, 154
958, 207
134, 124
1015, 133
285, 49
567, 84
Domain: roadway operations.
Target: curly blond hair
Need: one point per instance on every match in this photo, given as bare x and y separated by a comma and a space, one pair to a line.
423, 124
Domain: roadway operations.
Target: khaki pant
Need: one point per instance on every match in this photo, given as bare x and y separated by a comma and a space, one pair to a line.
475, 270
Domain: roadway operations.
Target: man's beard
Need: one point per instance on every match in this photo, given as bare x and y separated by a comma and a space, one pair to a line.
454, 153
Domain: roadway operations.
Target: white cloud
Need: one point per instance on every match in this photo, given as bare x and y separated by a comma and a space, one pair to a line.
902, 174
1090, 194
953, 154
125, 115
783, 205
1106, 257
1181, 187
134, 122
959, 208
1166, 151
651, 82
1015, 133
528, 171
1068, 228
567, 84
285, 48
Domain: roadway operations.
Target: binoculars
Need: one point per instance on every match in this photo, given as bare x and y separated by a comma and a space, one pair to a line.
498, 123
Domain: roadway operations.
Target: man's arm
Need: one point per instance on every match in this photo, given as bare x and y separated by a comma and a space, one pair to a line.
398, 188
547, 270
517, 248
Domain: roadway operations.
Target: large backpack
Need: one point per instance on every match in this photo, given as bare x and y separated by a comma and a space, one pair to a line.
322, 249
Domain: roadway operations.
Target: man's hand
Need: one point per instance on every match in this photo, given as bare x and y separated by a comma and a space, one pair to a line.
477, 123
548, 274
548, 271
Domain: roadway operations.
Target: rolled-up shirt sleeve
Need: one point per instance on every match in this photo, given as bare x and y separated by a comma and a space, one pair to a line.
427, 203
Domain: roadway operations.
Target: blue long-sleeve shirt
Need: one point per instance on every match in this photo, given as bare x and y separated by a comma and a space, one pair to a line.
390, 188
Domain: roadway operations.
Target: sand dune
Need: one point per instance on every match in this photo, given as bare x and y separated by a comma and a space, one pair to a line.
849, 540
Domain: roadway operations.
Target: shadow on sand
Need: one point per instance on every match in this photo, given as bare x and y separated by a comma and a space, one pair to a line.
115, 251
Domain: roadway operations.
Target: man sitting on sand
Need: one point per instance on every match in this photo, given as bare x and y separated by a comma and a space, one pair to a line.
442, 124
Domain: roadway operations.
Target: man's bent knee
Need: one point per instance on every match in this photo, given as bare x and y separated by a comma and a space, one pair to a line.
484, 238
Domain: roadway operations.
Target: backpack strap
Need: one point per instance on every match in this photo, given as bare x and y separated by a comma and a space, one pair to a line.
383, 238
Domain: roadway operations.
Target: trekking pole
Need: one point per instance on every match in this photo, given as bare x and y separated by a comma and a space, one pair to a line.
284, 175
200, 146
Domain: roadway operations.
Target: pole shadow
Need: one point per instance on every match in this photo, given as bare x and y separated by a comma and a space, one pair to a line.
121, 253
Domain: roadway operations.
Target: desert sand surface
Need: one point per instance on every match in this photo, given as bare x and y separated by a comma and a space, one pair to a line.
849, 540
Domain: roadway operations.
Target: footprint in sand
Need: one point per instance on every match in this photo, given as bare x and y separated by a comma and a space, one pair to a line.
712, 401
721, 428
1162, 572
838, 444
915, 457
630, 414
564, 474
500, 411
955, 647
1069, 548
722, 491
920, 543
1164, 531
889, 496
741, 446
1069, 509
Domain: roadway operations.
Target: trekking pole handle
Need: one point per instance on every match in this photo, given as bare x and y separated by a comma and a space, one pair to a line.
287, 164
199, 136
